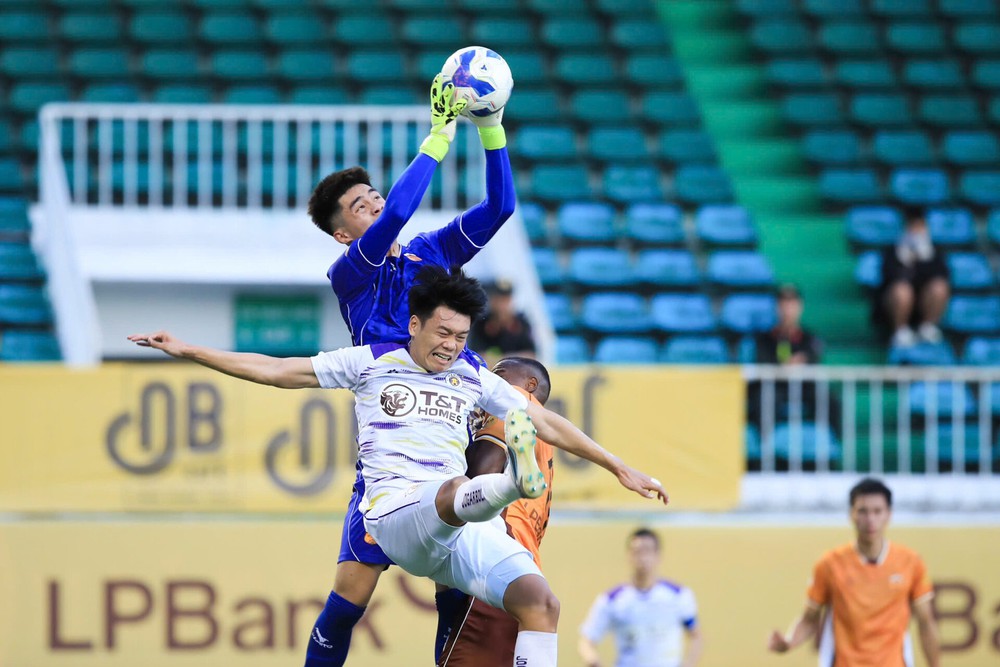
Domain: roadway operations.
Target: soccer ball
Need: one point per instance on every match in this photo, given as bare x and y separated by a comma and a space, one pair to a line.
480, 76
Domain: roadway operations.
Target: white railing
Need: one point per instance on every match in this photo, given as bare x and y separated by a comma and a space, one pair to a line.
879, 420
251, 156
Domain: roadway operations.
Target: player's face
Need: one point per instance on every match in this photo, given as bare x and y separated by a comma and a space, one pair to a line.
360, 206
870, 514
643, 554
436, 343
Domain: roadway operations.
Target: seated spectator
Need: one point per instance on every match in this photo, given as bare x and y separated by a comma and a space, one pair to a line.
504, 331
788, 342
914, 290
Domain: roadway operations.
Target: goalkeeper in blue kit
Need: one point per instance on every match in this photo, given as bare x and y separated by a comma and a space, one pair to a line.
372, 280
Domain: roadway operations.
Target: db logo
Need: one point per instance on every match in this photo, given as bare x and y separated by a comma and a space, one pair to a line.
308, 462
397, 400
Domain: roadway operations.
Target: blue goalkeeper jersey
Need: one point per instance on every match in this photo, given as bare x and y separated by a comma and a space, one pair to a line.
372, 288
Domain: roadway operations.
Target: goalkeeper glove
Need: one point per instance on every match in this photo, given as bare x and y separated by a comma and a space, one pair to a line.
444, 110
490, 130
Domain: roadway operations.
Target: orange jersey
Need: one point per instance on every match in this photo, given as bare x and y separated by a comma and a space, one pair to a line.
869, 605
526, 518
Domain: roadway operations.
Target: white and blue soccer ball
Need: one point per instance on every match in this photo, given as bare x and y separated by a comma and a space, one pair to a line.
481, 76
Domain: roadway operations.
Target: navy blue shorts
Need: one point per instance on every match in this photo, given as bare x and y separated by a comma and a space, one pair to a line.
355, 542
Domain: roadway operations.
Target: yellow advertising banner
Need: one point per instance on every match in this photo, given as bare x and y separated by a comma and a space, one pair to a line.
176, 437
185, 594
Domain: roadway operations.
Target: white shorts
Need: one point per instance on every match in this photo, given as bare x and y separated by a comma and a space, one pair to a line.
478, 558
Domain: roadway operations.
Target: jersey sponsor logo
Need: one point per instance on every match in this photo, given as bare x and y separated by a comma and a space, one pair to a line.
445, 406
397, 400
896, 579
453, 380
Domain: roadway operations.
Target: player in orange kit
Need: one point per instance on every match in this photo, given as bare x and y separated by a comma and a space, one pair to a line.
481, 635
869, 588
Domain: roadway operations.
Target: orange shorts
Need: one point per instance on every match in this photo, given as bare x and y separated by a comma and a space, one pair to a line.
482, 636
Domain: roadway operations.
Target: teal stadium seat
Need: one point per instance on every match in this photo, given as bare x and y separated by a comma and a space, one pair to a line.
648, 70
615, 313
965, 9
529, 66
111, 93
586, 222
171, 65
501, 32
970, 271
986, 75
994, 110
812, 109
891, 9
693, 350
210, 5
833, 9
832, 147
162, 27
980, 38
849, 38
627, 8
556, 7
682, 313
252, 94
702, 184
781, 36
561, 313
388, 95
625, 350
574, 32
26, 62
657, 224
14, 224
660, 269
20, 346
850, 186
586, 69
183, 94
434, 30
17, 261
939, 74
313, 65
534, 105
725, 225
915, 37
639, 35
869, 74
739, 269
595, 106
631, 184
91, 27
980, 188
810, 438
748, 313
24, 26
971, 149
870, 226
24, 306
973, 314
919, 398
922, 187
230, 28
617, 144
950, 111
549, 267
765, 8
600, 268
951, 226
797, 73
27, 97
296, 29
99, 63
428, 64
243, 65
544, 142
5, 137
880, 110
379, 67
557, 183
572, 350
668, 108
903, 147
687, 147
534, 218
981, 351
364, 30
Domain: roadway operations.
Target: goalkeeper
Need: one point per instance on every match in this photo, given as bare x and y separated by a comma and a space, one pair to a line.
372, 280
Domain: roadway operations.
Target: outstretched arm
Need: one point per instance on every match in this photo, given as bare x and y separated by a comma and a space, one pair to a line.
286, 373
560, 432
803, 629
481, 222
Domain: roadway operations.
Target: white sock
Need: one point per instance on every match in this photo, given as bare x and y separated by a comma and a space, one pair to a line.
485, 496
535, 649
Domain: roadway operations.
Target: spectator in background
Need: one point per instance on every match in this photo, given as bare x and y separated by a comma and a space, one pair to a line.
504, 332
915, 285
788, 342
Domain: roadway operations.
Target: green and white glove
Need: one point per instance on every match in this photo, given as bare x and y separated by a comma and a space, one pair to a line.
445, 108
490, 130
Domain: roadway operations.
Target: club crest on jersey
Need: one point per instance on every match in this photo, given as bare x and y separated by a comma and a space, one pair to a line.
453, 380
397, 400
410, 256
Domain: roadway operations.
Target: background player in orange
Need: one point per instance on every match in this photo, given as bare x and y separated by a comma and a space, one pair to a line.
869, 588
479, 635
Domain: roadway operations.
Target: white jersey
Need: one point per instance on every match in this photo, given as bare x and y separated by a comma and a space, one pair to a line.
412, 424
647, 625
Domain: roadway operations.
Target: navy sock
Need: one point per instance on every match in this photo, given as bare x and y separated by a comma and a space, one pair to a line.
448, 603
331, 636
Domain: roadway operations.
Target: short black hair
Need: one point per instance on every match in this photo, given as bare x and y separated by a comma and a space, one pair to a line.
913, 213
536, 369
870, 486
645, 532
324, 204
434, 286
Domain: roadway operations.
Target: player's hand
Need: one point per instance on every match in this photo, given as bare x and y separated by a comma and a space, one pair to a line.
643, 484
491, 132
445, 108
161, 340
777, 643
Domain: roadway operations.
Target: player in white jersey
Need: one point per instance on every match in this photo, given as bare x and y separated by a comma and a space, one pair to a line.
413, 402
648, 617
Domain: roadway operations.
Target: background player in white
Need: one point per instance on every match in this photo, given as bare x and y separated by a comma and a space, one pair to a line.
413, 402
647, 616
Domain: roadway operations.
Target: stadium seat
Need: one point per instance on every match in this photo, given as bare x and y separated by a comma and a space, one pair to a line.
533, 216
20, 346
926, 396
251, 94
639, 35
980, 351
725, 225
538, 142
24, 26
978, 38
239, 65
99, 63
534, 105
868, 269
695, 350
970, 271
503, 32
880, 110
993, 227
702, 184
597, 105
91, 27
831, 147
902, 147
923, 187
812, 440
682, 313
901, 8
654, 224
865, 74
687, 146
600, 268
653, 71
296, 29
381, 67
561, 313
849, 38
572, 350
833, 9
986, 74
586, 222
230, 28
630, 184
850, 186
914, 37
171, 65
748, 313
812, 109
24, 306
615, 313
530, 66
922, 354
951, 227
18, 262
364, 30
973, 314
962, 9
434, 30
548, 266
572, 32
739, 269
554, 183
555, 7
666, 268
973, 149
797, 73
674, 109
781, 36
183, 94
586, 69
617, 144
630, 8
625, 350
110, 92
934, 74
950, 111
392, 95
21, 62
765, 8
10, 176
981, 188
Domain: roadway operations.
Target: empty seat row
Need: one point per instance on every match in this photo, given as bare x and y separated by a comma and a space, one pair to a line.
925, 187
643, 350
961, 148
969, 270
862, 37
616, 143
885, 9
875, 110
874, 226
691, 184
942, 73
